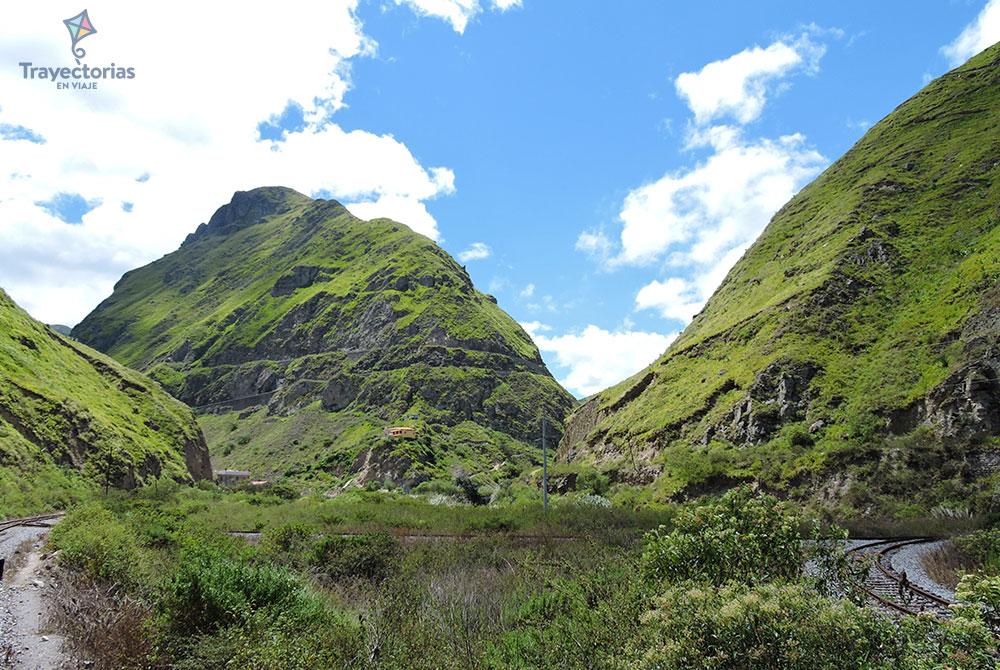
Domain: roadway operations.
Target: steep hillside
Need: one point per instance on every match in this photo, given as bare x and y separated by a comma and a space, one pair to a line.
852, 355
300, 331
68, 410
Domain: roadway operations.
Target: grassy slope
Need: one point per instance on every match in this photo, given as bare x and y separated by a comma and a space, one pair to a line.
881, 350
165, 315
213, 297
63, 404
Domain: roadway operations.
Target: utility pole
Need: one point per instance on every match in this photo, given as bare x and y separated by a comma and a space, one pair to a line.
545, 468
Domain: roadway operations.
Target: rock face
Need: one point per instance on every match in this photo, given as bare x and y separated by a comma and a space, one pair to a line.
861, 328
320, 329
63, 404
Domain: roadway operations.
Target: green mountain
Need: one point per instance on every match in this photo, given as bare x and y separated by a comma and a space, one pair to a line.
301, 332
66, 409
852, 355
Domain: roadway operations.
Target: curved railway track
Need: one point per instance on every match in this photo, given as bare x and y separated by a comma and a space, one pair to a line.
885, 587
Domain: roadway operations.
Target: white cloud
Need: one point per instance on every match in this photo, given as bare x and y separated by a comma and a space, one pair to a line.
456, 12
695, 223
528, 291
673, 298
172, 123
595, 244
738, 86
719, 204
594, 359
679, 298
703, 220
477, 251
982, 33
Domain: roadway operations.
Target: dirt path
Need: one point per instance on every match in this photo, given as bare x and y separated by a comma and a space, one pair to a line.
25, 642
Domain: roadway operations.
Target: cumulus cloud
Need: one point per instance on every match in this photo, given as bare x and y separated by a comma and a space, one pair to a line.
983, 32
738, 86
528, 291
694, 223
174, 148
725, 201
477, 251
594, 359
675, 298
457, 12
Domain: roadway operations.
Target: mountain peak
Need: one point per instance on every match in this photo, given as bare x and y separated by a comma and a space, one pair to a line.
248, 208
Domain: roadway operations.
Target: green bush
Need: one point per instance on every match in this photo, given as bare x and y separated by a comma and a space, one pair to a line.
765, 627
494, 523
289, 543
283, 491
321, 639
592, 481
983, 548
210, 590
742, 536
372, 556
92, 540
980, 596
957, 644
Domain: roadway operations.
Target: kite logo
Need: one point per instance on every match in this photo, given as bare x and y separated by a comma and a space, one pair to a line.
81, 77
79, 27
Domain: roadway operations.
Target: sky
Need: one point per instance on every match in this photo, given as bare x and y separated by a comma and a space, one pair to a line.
597, 166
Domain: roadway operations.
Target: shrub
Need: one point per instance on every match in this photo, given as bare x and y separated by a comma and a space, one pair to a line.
289, 543
592, 481
983, 547
800, 437
957, 644
373, 556
93, 541
744, 535
980, 596
210, 590
110, 629
283, 491
494, 523
764, 627
322, 639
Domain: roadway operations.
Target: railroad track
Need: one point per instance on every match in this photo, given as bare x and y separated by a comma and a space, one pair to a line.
39, 520
885, 588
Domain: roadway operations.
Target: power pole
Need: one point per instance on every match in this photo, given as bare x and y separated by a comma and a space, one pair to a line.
545, 468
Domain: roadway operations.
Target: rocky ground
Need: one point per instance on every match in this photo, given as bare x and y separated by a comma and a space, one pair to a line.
25, 643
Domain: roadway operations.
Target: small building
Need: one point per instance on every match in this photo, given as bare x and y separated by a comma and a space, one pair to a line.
231, 477
399, 432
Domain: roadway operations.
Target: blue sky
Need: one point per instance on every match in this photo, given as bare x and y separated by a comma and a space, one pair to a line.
550, 117
599, 166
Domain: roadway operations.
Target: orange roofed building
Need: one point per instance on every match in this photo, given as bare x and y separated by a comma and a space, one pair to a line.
399, 432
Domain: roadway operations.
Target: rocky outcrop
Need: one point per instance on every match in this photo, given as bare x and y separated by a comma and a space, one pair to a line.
780, 394
966, 405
